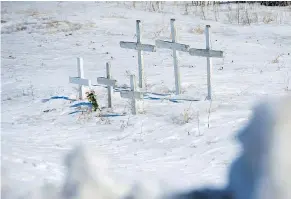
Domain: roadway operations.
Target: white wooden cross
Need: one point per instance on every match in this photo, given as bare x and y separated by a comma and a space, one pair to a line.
208, 53
80, 80
132, 94
108, 82
175, 46
140, 48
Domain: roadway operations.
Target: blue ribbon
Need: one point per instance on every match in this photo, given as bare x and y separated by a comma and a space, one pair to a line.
58, 97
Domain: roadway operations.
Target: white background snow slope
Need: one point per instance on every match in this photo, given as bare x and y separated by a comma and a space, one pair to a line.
169, 141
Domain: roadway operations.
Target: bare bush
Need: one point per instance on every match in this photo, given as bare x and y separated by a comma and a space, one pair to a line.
276, 60
198, 30
268, 19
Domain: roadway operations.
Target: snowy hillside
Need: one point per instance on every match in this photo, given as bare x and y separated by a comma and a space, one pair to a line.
185, 144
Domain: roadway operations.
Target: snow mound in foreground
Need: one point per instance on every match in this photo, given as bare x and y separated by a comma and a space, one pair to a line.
262, 171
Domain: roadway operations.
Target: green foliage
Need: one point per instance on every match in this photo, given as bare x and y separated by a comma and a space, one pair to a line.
91, 96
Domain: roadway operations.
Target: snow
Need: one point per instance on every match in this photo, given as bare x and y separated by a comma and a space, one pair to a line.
182, 144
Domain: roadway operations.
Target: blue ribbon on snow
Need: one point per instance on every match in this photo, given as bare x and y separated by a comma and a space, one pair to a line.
111, 115
82, 104
190, 100
171, 100
102, 115
160, 94
58, 97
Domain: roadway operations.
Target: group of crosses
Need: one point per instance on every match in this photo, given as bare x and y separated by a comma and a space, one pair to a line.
136, 92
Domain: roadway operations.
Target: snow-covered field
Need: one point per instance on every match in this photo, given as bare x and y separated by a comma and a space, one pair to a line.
186, 144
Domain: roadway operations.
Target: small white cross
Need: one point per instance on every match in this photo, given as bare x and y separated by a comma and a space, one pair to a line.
80, 80
108, 82
132, 94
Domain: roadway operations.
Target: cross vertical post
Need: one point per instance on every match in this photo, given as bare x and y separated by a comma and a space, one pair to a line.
109, 88
209, 62
175, 58
140, 56
81, 75
133, 88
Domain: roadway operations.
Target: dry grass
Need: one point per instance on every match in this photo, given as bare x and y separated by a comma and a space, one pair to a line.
114, 16
234, 13
85, 116
62, 26
159, 31
47, 26
197, 30
268, 19
185, 117
276, 60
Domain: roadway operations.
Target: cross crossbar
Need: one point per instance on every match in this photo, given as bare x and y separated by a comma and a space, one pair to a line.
138, 46
106, 81
131, 94
205, 53
172, 45
80, 81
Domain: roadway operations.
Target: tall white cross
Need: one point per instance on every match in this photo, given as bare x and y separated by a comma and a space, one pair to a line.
132, 94
80, 80
108, 82
140, 48
175, 46
208, 53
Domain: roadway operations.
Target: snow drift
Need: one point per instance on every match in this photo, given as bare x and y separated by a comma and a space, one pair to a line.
262, 171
